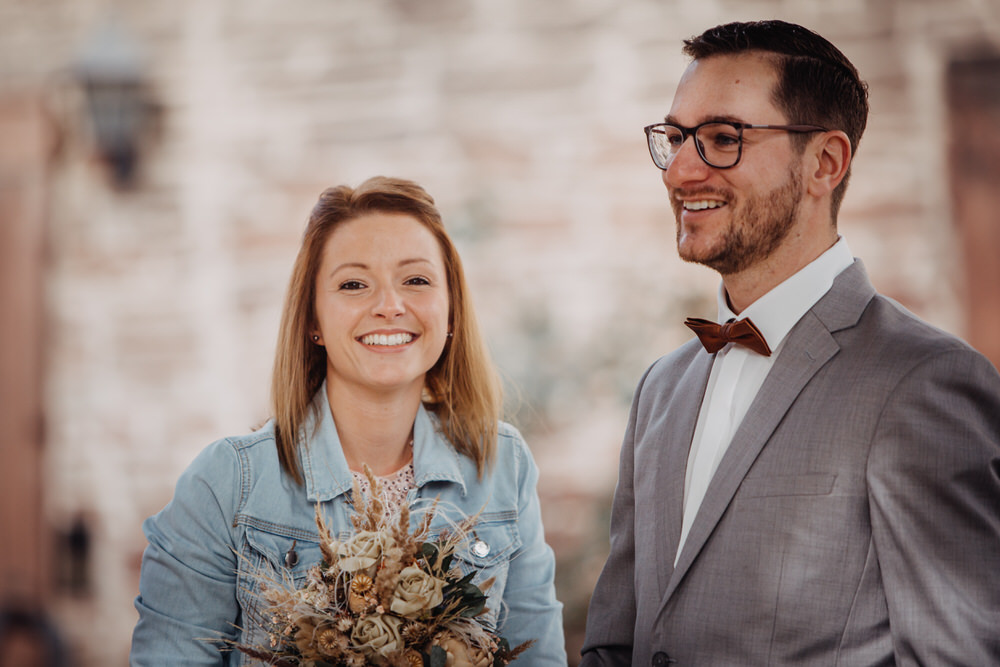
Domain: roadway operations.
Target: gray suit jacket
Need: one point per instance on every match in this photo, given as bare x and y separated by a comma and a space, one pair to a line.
854, 519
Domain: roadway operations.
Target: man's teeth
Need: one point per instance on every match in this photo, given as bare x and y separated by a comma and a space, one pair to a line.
702, 205
390, 339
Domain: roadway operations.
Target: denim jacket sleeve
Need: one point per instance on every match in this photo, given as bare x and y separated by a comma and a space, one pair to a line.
187, 590
531, 610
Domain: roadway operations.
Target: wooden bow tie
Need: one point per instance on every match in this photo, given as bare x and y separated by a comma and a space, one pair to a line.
715, 336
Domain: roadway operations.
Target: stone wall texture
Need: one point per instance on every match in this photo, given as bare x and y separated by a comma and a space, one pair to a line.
524, 120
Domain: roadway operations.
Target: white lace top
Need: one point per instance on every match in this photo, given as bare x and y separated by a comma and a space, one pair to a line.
394, 487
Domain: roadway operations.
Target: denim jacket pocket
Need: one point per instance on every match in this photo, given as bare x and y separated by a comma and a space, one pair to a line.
491, 545
272, 555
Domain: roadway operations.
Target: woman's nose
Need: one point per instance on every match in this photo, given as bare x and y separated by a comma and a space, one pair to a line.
389, 303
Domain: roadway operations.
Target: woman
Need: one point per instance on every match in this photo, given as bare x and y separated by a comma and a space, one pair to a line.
380, 364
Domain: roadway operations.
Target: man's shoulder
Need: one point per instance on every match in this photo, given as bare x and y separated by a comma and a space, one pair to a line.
889, 324
680, 357
673, 366
890, 342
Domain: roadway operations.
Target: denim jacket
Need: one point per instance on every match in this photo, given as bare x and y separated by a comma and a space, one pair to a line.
236, 514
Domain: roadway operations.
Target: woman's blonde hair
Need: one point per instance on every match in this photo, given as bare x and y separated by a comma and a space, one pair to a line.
462, 388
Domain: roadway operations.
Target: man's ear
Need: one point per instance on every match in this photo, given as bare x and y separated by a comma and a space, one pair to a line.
832, 159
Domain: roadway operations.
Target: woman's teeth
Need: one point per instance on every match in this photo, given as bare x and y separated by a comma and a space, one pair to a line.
388, 340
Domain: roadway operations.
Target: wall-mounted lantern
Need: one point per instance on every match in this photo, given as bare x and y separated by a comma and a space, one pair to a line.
110, 72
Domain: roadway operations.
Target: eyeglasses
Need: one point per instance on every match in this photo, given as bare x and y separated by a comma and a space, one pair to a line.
720, 144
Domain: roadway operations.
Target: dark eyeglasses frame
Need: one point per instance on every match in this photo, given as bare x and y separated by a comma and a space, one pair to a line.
739, 127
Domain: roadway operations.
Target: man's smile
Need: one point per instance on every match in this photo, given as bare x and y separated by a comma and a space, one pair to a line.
702, 204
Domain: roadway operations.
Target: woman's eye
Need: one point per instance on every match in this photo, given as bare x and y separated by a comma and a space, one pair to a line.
352, 285
417, 280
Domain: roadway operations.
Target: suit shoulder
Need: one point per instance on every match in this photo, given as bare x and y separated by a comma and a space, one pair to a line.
889, 324
891, 342
669, 365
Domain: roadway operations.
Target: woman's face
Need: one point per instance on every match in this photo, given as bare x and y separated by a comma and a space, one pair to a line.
382, 303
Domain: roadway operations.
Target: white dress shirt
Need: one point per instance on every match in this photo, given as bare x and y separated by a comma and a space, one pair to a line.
738, 372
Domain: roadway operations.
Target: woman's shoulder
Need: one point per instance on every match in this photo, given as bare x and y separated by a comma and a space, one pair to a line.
513, 460
511, 441
508, 431
229, 459
242, 477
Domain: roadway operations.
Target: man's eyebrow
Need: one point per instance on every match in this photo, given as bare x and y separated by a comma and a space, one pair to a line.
670, 120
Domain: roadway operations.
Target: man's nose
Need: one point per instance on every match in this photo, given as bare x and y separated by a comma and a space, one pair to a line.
685, 166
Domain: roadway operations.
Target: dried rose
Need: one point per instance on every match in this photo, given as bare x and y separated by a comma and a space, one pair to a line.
363, 550
416, 591
377, 634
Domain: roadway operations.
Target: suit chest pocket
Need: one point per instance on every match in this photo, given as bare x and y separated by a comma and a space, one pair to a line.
813, 484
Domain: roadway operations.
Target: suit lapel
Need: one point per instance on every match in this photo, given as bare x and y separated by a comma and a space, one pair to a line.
809, 346
681, 418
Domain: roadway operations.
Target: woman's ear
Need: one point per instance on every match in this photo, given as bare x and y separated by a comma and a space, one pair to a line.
832, 160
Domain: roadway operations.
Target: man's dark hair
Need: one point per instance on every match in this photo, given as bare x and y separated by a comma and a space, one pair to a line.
817, 84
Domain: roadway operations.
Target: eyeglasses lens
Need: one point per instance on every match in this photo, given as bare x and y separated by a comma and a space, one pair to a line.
717, 143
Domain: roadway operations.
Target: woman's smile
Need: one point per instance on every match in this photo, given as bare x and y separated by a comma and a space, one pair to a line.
394, 340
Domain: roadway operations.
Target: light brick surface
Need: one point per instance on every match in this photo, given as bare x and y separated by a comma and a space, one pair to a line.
523, 118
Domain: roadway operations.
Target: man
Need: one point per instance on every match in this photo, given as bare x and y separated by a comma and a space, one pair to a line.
825, 490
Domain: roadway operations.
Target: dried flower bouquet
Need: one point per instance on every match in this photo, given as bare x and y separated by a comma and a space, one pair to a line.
383, 597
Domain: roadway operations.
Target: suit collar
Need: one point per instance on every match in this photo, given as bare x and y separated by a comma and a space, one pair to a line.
776, 312
846, 301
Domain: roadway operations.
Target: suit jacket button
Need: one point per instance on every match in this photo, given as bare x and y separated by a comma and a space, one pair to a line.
661, 659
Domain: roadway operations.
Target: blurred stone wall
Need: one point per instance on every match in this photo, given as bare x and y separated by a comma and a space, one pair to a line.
524, 119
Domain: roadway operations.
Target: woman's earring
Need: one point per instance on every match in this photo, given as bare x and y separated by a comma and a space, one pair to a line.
448, 334
315, 338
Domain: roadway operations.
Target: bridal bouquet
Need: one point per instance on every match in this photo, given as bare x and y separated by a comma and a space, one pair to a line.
383, 597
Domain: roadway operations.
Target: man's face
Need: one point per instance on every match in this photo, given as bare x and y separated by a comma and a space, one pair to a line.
732, 219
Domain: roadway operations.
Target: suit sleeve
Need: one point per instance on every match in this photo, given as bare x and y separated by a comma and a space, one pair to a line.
934, 480
612, 611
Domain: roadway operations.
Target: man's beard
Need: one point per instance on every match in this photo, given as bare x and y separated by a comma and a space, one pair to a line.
754, 232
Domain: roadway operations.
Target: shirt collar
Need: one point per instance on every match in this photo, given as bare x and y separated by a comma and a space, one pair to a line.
325, 469
776, 312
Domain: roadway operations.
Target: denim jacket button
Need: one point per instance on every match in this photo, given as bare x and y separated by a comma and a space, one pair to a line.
291, 557
480, 549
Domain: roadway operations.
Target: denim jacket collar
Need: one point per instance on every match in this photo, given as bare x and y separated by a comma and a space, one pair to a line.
324, 467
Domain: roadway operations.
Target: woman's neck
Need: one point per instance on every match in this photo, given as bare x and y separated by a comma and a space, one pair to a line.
374, 429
